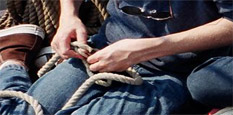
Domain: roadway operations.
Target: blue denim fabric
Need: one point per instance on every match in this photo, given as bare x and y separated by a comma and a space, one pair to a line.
188, 14
161, 92
212, 82
52, 90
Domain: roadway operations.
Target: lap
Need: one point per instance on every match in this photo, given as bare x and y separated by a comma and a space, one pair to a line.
159, 94
58, 85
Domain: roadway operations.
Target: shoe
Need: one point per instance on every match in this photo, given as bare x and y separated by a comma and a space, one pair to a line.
224, 111
20, 43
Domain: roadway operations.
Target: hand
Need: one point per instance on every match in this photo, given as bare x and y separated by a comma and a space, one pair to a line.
116, 57
70, 29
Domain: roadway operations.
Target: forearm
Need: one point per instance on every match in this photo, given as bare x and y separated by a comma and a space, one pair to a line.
70, 7
212, 35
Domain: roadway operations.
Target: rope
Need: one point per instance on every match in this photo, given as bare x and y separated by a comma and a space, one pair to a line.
45, 13
49, 65
34, 103
94, 78
89, 82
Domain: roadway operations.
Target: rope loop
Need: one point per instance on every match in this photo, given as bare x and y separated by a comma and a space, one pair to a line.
34, 103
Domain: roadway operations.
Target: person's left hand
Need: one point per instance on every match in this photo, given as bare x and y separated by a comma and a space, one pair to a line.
116, 57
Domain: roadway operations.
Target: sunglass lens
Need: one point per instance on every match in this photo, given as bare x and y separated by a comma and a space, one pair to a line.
131, 10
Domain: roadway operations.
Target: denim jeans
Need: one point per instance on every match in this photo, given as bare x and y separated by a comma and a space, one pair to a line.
160, 93
212, 82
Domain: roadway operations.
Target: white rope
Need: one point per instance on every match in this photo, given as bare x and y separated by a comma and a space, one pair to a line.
48, 66
89, 82
34, 103
94, 78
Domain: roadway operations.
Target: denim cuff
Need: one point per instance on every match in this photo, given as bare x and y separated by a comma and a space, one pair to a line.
14, 67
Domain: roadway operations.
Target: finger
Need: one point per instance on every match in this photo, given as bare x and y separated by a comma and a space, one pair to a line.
110, 69
63, 51
96, 66
73, 54
104, 70
55, 47
93, 58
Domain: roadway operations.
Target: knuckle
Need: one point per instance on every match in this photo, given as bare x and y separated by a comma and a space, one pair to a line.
102, 65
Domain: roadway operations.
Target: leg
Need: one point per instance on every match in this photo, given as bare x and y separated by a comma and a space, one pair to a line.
211, 83
57, 86
52, 90
18, 44
160, 94
13, 77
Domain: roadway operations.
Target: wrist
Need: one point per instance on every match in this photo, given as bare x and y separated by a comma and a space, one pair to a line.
68, 20
70, 7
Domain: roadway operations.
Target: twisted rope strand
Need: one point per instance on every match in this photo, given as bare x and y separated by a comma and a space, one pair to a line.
34, 103
101, 8
4, 17
32, 14
47, 67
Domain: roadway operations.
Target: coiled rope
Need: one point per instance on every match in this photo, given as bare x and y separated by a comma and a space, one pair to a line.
45, 13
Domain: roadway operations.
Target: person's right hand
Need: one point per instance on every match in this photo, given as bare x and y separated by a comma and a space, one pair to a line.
70, 29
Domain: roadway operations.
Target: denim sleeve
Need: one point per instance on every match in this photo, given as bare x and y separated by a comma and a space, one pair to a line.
225, 7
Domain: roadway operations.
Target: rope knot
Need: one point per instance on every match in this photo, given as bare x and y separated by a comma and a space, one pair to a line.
82, 49
103, 79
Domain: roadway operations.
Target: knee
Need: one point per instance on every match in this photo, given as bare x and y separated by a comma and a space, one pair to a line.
196, 87
211, 83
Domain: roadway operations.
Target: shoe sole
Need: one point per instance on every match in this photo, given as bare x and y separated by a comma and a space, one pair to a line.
225, 111
23, 29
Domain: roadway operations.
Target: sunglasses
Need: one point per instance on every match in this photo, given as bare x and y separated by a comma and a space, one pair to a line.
138, 11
